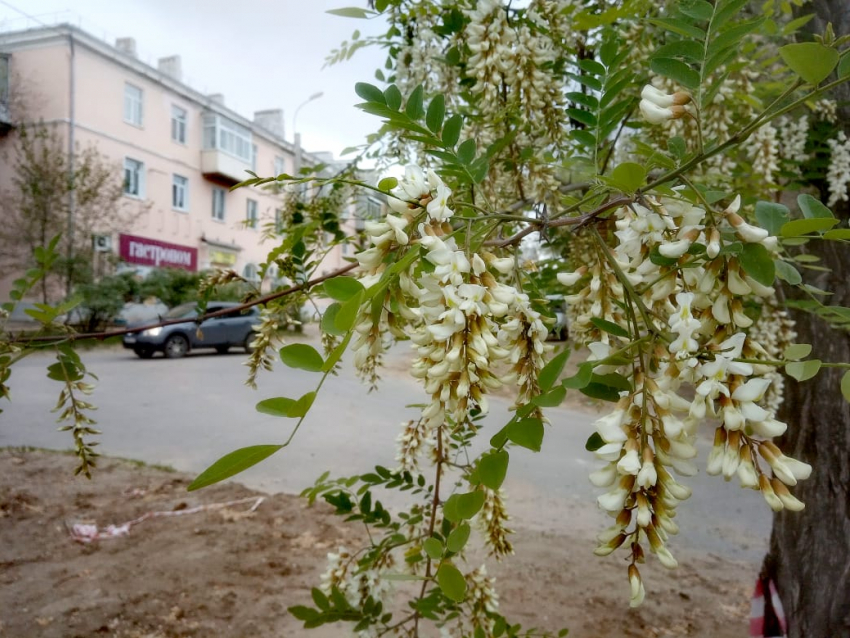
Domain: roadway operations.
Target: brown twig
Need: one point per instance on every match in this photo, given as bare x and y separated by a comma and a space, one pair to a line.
581, 220
219, 313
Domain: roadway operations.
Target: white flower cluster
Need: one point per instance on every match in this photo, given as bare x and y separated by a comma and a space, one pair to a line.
763, 149
826, 110
774, 331
692, 334
792, 139
463, 321
838, 174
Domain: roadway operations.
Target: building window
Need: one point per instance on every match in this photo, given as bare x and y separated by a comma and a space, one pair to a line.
279, 166
218, 204
4, 80
132, 105
250, 272
180, 193
251, 214
134, 178
255, 152
178, 124
223, 135
278, 221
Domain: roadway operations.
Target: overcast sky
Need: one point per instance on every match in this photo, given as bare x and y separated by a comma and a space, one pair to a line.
259, 53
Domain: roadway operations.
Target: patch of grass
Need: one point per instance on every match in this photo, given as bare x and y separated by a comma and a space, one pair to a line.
27, 449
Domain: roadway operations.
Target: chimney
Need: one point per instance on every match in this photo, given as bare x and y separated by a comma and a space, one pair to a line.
172, 67
126, 46
271, 120
218, 98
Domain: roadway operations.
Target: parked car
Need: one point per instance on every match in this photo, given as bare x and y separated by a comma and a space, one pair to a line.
234, 329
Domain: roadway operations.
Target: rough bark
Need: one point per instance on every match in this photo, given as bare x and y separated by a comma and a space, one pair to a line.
809, 555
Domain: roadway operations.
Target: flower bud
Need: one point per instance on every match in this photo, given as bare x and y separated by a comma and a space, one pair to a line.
637, 591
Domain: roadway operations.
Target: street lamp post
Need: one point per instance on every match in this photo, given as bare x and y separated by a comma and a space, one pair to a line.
296, 134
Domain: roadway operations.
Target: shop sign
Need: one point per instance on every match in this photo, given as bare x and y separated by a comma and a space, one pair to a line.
150, 252
222, 257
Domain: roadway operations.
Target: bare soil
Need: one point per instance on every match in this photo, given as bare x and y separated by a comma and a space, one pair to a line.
231, 572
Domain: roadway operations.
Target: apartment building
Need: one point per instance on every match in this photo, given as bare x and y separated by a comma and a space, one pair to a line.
179, 150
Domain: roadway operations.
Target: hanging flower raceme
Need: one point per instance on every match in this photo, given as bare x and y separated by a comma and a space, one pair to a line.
682, 297
659, 107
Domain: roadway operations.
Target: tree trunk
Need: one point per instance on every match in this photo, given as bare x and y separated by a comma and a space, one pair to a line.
809, 558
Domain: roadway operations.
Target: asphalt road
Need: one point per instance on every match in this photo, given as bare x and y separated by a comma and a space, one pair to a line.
187, 413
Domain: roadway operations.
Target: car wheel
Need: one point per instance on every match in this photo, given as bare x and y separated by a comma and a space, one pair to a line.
143, 353
176, 346
249, 349
222, 349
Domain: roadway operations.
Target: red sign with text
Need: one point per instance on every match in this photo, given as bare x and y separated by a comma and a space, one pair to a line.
150, 252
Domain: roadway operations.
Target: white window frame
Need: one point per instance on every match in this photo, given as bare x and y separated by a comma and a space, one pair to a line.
134, 98
252, 213
228, 137
180, 193
279, 165
278, 221
218, 203
134, 178
179, 124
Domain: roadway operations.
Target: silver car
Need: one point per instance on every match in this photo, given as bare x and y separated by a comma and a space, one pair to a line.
234, 329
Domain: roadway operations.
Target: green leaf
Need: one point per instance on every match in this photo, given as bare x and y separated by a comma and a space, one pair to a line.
457, 539
697, 9
797, 351
798, 227
845, 385
609, 327
527, 433
433, 548
414, 108
803, 370
232, 464
279, 406
601, 391
492, 469
393, 97
771, 216
436, 113
347, 314
687, 49
677, 71
581, 378
680, 27
551, 399
844, 65
594, 442
551, 371
451, 582
584, 99
302, 406
386, 184
451, 130
466, 152
812, 61
787, 272
676, 145
302, 357
329, 320
460, 507
351, 12
320, 599
629, 176
342, 288
585, 117
370, 93
758, 263
813, 208
837, 233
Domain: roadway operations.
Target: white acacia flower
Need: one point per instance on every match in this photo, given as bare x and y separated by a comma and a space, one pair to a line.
438, 208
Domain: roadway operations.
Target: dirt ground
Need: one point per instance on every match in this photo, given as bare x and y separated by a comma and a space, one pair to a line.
232, 572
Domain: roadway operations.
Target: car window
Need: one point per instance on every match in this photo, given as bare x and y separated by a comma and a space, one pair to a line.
178, 312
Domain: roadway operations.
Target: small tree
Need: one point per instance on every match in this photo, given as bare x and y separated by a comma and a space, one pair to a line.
47, 198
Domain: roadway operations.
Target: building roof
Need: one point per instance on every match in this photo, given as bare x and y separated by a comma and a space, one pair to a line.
61, 34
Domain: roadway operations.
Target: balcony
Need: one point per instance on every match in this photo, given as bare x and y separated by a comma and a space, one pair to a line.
223, 167
228, 150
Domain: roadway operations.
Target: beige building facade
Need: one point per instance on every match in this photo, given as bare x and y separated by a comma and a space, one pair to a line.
179, 151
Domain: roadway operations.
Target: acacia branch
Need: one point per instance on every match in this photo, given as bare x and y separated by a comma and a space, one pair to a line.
211, 315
